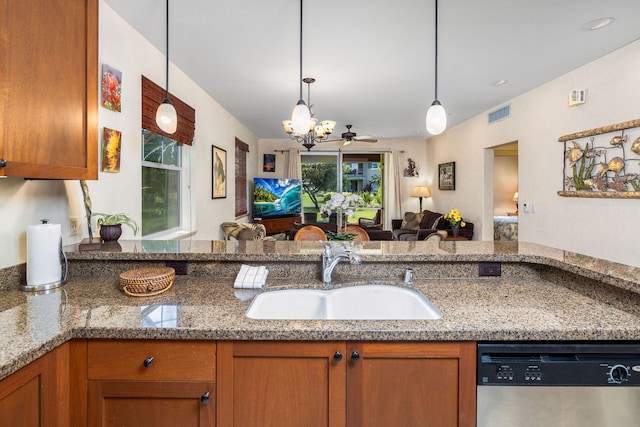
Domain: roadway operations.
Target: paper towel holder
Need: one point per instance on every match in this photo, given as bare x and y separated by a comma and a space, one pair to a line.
52, 285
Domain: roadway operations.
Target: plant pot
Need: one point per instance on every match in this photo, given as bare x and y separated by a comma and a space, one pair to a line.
455, 231
110, 233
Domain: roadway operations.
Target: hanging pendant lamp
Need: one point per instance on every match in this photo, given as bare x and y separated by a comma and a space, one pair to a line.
166, 116
301, 116
436, 116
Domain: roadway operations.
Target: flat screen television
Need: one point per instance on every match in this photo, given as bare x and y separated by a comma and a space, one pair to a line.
277, 197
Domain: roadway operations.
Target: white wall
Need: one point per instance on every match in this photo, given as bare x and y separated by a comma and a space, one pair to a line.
604, 228
25, 202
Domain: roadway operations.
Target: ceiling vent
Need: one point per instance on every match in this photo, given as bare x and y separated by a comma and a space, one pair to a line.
500, 114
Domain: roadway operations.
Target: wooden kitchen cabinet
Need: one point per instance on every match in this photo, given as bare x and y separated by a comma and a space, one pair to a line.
49, 89
411, 384
335, 384
147, 383
37, 395
266, 383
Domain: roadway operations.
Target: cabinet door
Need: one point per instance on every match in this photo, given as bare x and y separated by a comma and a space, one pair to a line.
151, 403
411, 384
37, 395
49, 88
283, 384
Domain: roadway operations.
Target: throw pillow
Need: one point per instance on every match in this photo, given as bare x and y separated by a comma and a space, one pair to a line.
411, 221
243, 231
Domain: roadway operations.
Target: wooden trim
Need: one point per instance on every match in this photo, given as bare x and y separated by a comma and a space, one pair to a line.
78, 383
598, 131
242, 145
152, 96
601, 194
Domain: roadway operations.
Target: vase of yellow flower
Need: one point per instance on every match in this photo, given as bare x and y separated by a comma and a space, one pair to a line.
455, 221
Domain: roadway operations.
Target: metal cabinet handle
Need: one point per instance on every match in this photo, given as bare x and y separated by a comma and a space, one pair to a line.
337, 356
205, 397
148, 362
3, 163
355, 356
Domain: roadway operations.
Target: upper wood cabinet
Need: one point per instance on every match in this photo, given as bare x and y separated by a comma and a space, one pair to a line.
49, 89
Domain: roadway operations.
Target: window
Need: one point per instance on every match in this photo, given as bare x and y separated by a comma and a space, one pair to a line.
161, 175
327, 172
242, 151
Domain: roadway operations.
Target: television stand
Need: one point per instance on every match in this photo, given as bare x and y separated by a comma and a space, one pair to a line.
278, 225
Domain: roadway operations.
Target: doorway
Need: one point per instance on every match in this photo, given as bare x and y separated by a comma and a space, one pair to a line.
505, 191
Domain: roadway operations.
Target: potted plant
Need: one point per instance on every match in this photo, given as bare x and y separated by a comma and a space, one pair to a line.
111, 225
455, 220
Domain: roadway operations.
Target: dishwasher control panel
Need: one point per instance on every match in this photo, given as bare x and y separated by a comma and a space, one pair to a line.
548, 364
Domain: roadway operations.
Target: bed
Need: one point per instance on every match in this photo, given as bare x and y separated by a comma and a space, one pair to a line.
505, 228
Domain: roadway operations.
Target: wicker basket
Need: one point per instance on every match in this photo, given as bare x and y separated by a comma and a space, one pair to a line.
144, 282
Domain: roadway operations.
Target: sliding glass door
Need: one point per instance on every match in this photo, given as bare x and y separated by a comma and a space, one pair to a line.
324, 173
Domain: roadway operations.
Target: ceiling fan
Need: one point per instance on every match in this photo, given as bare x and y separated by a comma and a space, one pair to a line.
348, 137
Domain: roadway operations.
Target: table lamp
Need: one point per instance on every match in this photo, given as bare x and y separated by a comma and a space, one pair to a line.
515, 199
420, 192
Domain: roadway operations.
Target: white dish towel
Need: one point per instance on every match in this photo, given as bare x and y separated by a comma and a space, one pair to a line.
251, 277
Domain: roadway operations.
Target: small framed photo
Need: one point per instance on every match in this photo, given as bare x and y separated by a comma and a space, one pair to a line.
111, 141
218, 173
269, 163
111, 88
447, 176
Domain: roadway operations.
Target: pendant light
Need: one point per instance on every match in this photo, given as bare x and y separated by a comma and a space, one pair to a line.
301, 116
436, 116
166, 116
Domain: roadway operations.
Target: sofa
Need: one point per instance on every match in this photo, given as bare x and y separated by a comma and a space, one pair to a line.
419, 226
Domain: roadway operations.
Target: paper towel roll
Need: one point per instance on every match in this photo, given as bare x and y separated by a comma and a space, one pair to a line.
43, 254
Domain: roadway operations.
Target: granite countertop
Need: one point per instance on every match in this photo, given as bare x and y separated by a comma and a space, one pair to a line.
538, 297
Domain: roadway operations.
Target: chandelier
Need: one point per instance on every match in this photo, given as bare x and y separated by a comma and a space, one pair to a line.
317, 132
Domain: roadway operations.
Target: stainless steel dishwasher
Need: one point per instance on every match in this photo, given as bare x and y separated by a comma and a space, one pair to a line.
558, 385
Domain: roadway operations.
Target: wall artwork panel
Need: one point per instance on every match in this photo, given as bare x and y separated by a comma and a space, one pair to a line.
447, 176
111, 88
602, 162
111, 142
218, 173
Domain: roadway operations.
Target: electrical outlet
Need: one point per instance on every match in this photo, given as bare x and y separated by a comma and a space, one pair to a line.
74, 226
489, 269
181, 267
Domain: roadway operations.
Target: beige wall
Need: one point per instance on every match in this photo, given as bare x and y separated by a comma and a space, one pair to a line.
604, 228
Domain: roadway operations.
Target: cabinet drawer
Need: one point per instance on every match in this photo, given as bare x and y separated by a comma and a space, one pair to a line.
165, 360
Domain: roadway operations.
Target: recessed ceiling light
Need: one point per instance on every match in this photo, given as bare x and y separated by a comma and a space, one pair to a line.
597, 24
499, 82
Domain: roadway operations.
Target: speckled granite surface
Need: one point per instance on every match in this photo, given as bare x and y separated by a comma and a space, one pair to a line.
543, 294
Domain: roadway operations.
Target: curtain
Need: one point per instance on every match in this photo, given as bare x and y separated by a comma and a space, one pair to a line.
294, 169
395, 201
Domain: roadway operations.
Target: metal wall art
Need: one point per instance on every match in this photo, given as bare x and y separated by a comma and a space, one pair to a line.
603, 162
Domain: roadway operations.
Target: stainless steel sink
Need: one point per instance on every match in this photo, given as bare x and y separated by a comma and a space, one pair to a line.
367, 302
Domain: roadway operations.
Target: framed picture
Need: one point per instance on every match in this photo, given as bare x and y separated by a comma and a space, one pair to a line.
269, 163
447, 176
111, 88
111, 140
218, 173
